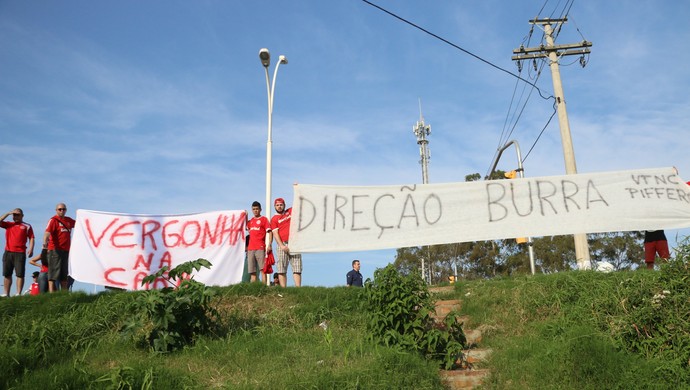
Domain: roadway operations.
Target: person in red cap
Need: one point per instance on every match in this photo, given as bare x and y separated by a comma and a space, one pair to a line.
14, 259
280, 230
257, 249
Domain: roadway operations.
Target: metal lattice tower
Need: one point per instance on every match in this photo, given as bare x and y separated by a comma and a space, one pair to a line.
422, 130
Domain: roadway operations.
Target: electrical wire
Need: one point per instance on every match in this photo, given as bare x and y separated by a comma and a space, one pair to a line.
456, 46
541, 132
564, 14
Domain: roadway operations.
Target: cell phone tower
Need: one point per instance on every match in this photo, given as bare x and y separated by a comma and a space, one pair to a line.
422, 130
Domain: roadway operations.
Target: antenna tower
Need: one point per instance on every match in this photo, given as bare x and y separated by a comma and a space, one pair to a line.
422, 130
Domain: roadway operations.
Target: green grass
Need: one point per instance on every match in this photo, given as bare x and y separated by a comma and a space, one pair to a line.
574, 330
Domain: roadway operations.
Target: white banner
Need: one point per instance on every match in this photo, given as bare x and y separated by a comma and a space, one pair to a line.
337, 218
119, 250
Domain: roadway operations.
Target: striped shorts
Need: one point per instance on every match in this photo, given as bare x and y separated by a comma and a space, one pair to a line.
284, 258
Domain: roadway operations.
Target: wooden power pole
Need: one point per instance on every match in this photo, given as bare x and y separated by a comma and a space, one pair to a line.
553, 53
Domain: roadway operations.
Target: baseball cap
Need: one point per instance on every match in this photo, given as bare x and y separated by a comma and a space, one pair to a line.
279, 200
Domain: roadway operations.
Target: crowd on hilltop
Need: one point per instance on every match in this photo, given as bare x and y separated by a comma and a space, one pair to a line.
53, 260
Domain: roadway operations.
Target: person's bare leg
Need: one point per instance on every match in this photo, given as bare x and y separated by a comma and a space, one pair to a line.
282, 279
252, 277
20, 285
297, 278
51, 286
64, 284
8, 284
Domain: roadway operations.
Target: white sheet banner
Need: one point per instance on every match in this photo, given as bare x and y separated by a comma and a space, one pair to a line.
336, 218
119, 250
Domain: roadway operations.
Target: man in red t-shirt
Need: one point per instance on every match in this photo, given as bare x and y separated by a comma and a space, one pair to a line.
280, 230
258, 227
14, 258
57, 240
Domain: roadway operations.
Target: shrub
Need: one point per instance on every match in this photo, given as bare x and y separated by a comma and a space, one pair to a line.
172, 317
400, 309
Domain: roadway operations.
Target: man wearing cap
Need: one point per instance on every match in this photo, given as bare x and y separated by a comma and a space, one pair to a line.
280, 230
14, 259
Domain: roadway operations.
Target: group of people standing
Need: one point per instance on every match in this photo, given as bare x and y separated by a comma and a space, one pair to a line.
53, 259
262, 232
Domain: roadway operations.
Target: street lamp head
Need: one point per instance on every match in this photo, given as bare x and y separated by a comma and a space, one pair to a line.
265, 57
283, 59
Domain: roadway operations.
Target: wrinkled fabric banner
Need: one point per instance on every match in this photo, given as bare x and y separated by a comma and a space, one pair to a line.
338, 218
119, 250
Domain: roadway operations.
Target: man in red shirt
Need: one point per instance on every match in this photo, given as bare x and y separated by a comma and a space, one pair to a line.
280, 230
258, 227
14, 259
57, 240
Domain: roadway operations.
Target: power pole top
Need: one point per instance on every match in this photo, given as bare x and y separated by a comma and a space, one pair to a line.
554, 53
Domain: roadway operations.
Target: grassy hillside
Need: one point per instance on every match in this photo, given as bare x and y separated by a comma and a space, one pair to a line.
575, 330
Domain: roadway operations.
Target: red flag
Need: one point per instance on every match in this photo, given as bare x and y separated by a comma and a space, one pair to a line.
268, 263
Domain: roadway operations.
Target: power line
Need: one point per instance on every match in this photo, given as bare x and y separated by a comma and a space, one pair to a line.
455, 46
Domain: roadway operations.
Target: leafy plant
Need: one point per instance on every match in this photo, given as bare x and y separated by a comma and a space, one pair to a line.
173, 317
400, 309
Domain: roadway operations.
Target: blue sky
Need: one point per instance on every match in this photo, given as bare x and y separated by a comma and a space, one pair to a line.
160, 106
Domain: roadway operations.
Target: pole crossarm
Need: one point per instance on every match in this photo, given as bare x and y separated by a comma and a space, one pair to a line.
528, 53
541, 51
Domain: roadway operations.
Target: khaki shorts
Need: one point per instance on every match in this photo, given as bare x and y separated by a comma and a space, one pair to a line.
254, 258
295, 261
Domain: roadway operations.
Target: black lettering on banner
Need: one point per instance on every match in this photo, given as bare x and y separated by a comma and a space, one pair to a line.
591, 187
376, 218
302, 200
325, 214
668, 192
655, 179
494, 201
550, 196
355, 211
336, 209
531, 204
440, 208
403, 215
569, 196
544, 197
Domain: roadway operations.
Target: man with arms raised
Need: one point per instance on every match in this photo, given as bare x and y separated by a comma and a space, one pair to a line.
14, 259
57, 240
280, 230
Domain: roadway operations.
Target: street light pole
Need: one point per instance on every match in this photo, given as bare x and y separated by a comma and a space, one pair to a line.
265, 58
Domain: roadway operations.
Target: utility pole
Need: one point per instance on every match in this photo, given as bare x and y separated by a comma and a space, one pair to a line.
422, 130
553, 53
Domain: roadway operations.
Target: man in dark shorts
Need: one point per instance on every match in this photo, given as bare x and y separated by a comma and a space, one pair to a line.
14, 258
57, 240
